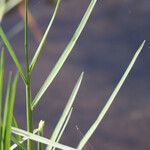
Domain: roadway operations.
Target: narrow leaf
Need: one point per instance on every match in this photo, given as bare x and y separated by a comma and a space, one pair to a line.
65, 54
15, 124
6, 112
36, 55
21, 141
40, 133
20, 145
2, 9
64, 127
110, 101
1, 90
66, 111
38, 138
10, 113
13, 31
12, 53
1, 84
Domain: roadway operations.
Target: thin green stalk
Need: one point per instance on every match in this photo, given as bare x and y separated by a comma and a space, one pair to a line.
39, 145
1, 85
40, 133
28, 85
29, 115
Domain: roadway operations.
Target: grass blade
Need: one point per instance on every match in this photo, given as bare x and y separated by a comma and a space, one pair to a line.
13, 31
36, 55
10, 113
1, 90
12, 53
40, 133
15, 124
1, 84
65, 54
21, 141
65, 124
6, 110
66, 111
64, 127
38, 138
20, 145
110, 100
2, 9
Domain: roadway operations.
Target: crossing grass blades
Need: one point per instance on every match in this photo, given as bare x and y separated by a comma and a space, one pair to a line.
11, 137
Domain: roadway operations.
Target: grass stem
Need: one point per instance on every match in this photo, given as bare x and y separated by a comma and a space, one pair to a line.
28, 85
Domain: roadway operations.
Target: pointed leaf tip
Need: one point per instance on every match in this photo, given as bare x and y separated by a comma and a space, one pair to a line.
143, 43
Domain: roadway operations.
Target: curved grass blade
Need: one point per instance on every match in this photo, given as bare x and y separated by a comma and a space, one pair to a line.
65, 54
13, 31
12, 53
110, 100
36, 55
6, 111
38, 138
10, 113
66, 111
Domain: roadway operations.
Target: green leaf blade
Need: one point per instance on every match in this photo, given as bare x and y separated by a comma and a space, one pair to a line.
40, 139
6, 112
2, 9
1, 90
17, 142
64, 127
12, 53
110, 100
66, 111
10, 113
1, 83
64, 55
36, 55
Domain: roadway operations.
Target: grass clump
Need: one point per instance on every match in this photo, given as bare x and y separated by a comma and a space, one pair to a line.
8, 124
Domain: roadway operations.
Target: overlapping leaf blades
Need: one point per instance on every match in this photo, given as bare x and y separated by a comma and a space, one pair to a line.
65, 54
6, 120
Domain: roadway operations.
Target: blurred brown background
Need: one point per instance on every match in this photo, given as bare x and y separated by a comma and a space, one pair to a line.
105, 48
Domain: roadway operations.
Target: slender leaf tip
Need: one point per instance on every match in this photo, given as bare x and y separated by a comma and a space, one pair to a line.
94, 126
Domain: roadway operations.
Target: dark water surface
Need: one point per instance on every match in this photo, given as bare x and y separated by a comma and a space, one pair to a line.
110, 39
